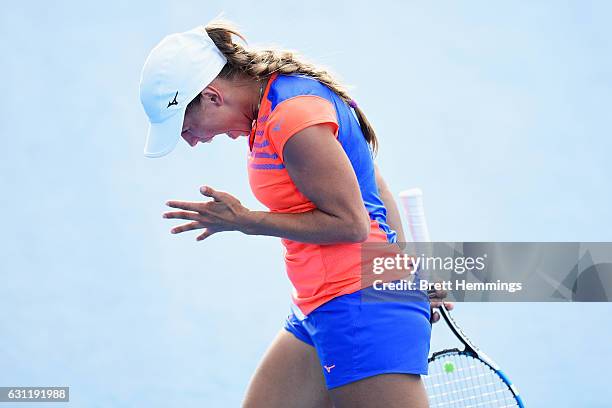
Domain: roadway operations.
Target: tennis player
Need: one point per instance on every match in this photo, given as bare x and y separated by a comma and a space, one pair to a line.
310, 163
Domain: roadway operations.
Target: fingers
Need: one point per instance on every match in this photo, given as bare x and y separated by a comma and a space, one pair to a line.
211, 192
186, 205
435, 305
208, 215
435, 316
437, 294
185, 215
207, 233
438, 303
186, 227
195, 212
447, 305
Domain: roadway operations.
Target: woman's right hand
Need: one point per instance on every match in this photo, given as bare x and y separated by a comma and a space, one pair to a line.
436, 299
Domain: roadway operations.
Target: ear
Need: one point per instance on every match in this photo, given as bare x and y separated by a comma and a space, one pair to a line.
211, 94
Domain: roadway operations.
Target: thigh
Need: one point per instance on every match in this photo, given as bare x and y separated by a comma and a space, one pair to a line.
289, 375
387, 390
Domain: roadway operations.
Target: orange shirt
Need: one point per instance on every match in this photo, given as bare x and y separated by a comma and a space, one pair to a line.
290, 104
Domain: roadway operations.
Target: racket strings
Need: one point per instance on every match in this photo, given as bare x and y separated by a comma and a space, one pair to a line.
461, 381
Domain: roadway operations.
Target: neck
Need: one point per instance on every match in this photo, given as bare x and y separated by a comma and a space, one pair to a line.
256, 95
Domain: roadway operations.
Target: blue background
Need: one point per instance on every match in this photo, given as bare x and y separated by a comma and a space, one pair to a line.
499, 111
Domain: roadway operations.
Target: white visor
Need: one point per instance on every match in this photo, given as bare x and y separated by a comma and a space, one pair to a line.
163, 137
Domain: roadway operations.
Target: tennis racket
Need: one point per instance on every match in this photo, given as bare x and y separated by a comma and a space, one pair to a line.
458, 378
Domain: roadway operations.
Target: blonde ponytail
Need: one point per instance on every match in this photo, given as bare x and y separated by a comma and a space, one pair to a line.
259, 64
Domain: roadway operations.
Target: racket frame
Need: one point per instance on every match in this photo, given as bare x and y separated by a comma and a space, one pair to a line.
471, 350
412, 200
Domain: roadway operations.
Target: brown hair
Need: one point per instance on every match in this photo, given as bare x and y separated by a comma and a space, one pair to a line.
259, 64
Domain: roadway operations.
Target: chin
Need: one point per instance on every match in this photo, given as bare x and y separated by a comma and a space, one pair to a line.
235, 134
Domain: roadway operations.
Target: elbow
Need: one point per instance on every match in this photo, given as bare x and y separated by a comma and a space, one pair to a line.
359, 230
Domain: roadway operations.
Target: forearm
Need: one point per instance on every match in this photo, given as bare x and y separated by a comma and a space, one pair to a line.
316, 227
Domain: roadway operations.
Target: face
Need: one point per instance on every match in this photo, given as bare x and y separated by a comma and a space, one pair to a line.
209, 114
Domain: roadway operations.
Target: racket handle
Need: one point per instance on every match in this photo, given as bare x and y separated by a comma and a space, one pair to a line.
412, 202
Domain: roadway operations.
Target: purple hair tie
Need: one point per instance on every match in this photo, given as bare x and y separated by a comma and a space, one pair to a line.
353, 104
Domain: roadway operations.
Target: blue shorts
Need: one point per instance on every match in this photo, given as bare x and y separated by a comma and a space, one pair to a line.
367, 333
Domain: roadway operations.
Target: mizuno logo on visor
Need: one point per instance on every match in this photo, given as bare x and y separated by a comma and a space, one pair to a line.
173, 102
